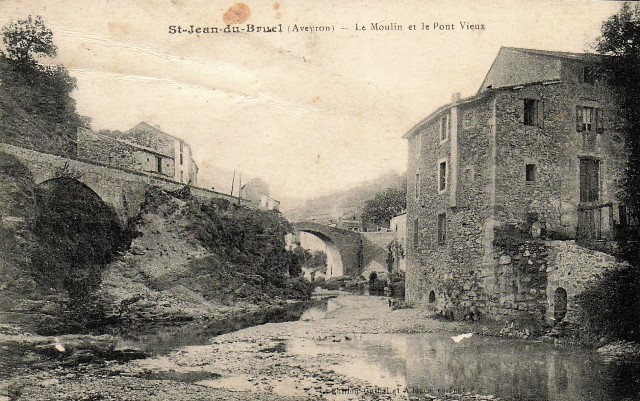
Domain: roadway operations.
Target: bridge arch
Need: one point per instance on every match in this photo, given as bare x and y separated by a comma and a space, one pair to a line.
329, 247
344, 247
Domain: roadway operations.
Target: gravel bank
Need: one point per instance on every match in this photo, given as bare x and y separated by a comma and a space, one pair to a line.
275, 361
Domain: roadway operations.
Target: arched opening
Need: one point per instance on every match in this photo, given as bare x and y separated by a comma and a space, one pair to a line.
559, 304
315, 241
78, 234
432, 296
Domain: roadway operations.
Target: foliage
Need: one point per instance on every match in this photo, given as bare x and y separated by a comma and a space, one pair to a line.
27, 39
621, 38
384, 205
253, 241
37, 109
610, 307
508, 238
317, 261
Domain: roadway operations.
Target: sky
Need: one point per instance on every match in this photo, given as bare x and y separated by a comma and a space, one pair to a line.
308, 112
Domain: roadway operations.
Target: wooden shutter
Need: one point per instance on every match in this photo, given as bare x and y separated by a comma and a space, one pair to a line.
579, 118
540, 113
599, 123
589, 180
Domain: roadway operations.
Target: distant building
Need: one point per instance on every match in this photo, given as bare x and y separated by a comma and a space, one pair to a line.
256, 191
143, 148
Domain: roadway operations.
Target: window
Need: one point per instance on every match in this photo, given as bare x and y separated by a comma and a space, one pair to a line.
442, 228
416, 233
180, 158
588, 119
445, 127
530, 173
159, 164
533, 113
589, 74
442, 176
181, 147
589, 180
417, 185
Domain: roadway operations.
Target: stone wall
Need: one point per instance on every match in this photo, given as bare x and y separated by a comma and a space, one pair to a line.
555, 149
103, 149
450, 269
573, 268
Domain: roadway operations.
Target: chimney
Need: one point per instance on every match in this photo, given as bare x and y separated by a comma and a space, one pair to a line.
455, 98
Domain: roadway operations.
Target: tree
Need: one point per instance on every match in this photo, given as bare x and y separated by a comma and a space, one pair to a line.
27, 39
385, 205
41, 111
620, 39
610, 306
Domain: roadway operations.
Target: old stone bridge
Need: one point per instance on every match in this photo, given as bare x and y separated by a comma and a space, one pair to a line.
343, 247
124, 190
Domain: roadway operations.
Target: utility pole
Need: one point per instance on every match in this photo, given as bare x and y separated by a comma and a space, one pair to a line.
240, 189
233, 180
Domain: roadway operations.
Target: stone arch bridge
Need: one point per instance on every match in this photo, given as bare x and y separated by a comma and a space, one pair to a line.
124, 190
343, 247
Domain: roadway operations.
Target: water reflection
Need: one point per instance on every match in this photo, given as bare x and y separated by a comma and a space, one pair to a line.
510, 369
322, 311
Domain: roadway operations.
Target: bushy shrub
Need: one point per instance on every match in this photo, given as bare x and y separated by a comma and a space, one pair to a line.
610, 307
252, 242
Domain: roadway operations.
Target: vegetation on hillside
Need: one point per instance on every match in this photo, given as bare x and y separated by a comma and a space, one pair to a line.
384, 206
248, 260
36, 107
347, 203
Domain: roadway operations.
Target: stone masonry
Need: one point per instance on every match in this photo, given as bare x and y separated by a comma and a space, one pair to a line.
490, 174
121, 188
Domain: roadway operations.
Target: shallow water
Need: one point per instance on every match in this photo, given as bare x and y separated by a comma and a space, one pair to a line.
511, 369
162, 340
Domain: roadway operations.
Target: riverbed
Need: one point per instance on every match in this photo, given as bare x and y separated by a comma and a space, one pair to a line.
352, 348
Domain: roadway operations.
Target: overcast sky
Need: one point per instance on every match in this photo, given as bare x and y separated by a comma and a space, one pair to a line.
308, 112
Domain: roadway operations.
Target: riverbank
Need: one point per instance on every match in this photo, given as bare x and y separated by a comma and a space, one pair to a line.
253, 363
354, 348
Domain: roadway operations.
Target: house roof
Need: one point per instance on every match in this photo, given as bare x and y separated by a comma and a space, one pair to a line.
117, 139
512, 67
515, 65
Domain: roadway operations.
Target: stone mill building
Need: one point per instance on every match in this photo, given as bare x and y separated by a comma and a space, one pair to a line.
507, 188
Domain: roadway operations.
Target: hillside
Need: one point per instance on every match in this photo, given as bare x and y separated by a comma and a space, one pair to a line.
189, 261
36, 108
344, 204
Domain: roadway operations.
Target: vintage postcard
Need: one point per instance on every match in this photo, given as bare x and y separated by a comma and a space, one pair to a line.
292, 200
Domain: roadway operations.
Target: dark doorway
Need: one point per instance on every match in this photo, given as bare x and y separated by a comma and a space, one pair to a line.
559, 304
432, 297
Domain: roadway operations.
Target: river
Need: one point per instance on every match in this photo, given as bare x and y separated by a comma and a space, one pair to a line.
356, 348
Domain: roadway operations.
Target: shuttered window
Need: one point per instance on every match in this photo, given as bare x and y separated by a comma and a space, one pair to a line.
588, 119
442, 228
442, 176
589, 180
533, 113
